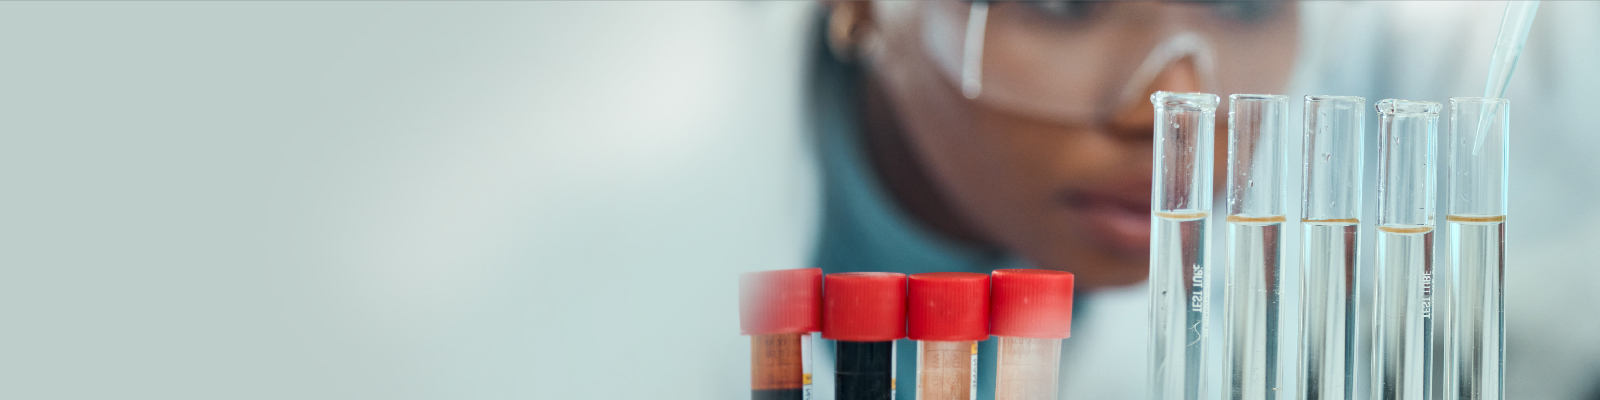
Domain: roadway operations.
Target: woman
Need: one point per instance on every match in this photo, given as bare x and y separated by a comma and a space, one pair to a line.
970, 136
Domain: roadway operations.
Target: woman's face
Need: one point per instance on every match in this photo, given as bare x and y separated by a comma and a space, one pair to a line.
1050, 156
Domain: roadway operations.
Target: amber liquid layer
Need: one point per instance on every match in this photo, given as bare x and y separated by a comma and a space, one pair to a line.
776, 365
1027, 368
947, 370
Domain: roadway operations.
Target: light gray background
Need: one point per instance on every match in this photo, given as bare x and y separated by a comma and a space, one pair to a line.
391, 200
545, 200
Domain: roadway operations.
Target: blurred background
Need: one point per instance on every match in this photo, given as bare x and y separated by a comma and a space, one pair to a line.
552, 200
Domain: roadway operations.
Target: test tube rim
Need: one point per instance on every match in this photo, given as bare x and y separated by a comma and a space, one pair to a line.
1195, 101
1329, 97
1358, 101
1477, 99
1408, 107
1265, 97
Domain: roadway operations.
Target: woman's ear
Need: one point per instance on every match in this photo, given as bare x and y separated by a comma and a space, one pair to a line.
848, 22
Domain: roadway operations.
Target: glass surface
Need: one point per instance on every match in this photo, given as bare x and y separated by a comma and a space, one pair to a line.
1475, 342
1179, 259
1251, 307
1403, 341
1254, 276
1328, 313
1474, 364
1403, 324
1330, 246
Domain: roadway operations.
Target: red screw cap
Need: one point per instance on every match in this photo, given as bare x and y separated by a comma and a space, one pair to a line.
948, 306
781, 301
1033, 303
864, 306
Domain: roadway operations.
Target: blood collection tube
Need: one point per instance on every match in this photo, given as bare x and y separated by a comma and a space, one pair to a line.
1475, 342
1031, 311
864, 312
779, 310
947, 313
1257, 124
1330, 246
1179, 246
1402, 342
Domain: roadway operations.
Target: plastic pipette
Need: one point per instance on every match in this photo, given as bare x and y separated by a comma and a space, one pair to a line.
1507, 49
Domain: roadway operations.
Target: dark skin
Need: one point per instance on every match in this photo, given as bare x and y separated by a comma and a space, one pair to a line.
1063, 195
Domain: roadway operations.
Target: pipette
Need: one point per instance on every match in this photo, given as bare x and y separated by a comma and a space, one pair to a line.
1514, 27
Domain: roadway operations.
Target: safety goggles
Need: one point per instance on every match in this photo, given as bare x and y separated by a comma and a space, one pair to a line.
1078, 61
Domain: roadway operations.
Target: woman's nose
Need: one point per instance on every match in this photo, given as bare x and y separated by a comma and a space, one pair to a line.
1136, 119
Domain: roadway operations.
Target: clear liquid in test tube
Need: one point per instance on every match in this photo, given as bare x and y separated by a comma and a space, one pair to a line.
1403, 325
1476, 213
1257, 125
1185, 125
1330, 218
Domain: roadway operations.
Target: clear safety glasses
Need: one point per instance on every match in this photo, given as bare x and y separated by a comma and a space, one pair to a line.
1079, 61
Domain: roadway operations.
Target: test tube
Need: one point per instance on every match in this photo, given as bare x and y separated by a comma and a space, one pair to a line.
864, 312
1185, 126
1257, 124
779, 310
1330, 217
1031, 311
947, 313
1476, 215
1403, 331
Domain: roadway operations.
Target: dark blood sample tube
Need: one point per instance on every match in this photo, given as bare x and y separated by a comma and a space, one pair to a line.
865, 312
947, 313
779, 310
1031, 311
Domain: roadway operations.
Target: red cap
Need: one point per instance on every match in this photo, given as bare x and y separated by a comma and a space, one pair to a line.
948, 306
864, 306
781, 301
1032, 303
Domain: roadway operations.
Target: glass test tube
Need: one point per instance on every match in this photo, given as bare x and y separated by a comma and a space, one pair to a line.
1031, 311
1330, 217
864, 312
1257, 124
1185, 126
1476, 215
1403, 329
947, 313
779, 310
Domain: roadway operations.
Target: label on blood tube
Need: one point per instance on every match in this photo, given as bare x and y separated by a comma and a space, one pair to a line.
805, 366
973, 366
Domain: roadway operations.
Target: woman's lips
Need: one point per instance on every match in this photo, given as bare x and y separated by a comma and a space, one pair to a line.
1120, 221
